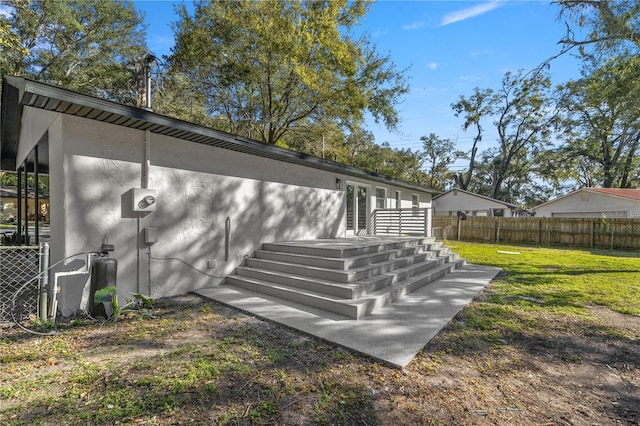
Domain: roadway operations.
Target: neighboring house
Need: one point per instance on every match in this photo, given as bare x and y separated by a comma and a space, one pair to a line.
454, 200
182, 204
9, 205
593, 203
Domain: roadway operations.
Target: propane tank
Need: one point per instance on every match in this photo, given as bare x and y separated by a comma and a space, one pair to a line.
103, 274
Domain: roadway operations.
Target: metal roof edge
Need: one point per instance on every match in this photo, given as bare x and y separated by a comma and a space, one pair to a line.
483, 197
31, 87
575, 191
610, 194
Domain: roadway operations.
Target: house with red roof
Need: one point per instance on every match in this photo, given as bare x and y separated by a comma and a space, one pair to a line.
593, 203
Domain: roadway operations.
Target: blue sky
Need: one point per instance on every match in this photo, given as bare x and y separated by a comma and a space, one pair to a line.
450, 47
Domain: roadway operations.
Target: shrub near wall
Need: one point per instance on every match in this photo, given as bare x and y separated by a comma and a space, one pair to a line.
575, 232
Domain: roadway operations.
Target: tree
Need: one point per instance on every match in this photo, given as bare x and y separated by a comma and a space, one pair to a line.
602, 123
609, 24
267, 69
175, 99
524, 116
357, 143
11, 179
474, 109
83, 45
437, 155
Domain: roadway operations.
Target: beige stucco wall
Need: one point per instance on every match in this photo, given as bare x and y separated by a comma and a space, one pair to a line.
199, 189
583, 204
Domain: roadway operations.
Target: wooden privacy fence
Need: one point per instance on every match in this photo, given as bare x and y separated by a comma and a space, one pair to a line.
576, 232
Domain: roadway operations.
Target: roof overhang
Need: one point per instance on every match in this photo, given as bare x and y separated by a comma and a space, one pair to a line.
18, 92
482, 197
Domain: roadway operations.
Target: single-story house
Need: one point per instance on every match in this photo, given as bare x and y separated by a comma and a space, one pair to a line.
472, 204
182, 204
9, 204
593, 203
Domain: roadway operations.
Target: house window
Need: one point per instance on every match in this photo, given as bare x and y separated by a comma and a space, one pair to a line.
381, 196
415, 201
398, 204
350, 208
498, 212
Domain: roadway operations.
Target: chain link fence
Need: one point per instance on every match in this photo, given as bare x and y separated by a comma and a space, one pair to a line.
18, 264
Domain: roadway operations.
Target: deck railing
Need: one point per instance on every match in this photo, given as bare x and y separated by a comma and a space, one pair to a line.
401, 222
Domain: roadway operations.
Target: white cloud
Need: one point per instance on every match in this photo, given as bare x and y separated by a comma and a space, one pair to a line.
461, 15
413, 26
433, 65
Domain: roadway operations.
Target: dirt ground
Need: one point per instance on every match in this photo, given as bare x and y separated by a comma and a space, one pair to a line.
572, 372
568, 371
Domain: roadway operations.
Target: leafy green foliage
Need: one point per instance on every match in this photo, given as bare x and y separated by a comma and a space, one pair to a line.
523, 113
83, 45
269, 69
602, 124
11, 179
108, 296
437, 155
474, 109
609, 25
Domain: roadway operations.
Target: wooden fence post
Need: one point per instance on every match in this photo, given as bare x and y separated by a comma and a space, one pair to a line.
539, 231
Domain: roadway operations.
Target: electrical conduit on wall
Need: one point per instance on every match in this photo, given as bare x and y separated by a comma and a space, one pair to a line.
144, 183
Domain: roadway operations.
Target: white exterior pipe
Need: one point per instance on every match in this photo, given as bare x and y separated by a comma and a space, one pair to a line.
44, 280
147, 159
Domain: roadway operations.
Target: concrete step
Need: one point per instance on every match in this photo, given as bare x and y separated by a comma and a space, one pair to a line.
383, 297
346, 290
354, 308
339, 275
349, 277
350, 247
341, 263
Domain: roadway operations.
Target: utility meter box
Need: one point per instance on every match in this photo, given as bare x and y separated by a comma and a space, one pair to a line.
150, 235
143, 200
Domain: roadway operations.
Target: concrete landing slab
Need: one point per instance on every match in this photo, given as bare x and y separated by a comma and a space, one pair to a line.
394, 334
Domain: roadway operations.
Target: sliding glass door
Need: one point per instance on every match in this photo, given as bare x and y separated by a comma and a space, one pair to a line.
357, 209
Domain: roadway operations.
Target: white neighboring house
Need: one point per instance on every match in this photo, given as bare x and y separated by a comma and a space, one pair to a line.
182, 204
593, 203
454, 200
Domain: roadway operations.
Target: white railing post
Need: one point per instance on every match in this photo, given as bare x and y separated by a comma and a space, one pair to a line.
426, 222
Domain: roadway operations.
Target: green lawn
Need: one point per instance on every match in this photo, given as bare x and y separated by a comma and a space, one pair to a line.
563, 280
